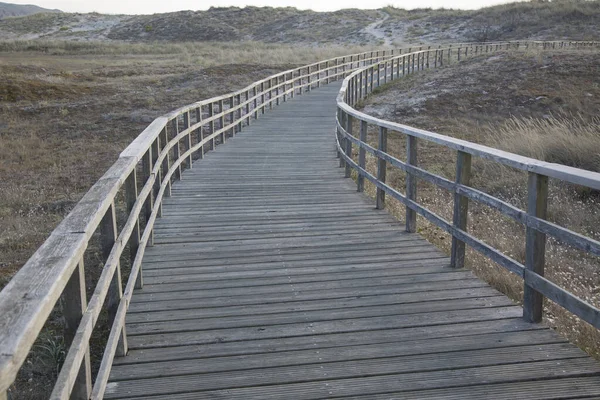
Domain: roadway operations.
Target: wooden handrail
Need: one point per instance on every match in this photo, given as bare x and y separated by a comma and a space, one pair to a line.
359, 84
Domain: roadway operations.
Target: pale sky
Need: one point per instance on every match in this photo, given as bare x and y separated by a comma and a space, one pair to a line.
160, 6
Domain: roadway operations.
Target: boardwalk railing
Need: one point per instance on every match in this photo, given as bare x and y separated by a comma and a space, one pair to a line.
143, 174
362, 82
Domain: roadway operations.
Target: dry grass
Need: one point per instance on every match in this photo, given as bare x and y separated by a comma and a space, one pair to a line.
542, 106
574, 142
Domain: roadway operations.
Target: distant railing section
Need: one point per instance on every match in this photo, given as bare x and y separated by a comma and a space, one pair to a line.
143, 175
360, 83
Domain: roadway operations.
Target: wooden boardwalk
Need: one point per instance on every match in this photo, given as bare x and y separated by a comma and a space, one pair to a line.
271, 277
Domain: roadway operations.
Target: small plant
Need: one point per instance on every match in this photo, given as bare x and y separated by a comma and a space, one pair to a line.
148, 28
64, 28
52, 353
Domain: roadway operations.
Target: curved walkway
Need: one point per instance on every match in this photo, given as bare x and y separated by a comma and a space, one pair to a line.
271, 277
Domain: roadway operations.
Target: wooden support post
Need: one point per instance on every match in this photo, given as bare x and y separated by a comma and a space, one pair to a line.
441, 58
108, 236
392, 70
362, 157
131, 195
239, 112
327, 72
199, 132
309, 79
385, 72
404, 66
348, 170
535, 245
372, 69
176, 148
270, 94
262, 97
411, 183
255, 102
247, 108
211, 125
360, 84
342, 120
378, 75
381, 168
222, 120
461, 209
319, 75
166, 161
428, 51
188, 138
74, 304
147, 173
231, 114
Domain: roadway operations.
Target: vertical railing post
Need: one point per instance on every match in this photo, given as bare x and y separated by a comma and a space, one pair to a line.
188, 138
381, 168
239, 112
166, 164
309, 79
108, 236
211, 125
342, 120
131, 195
199, 131
262, 97
176, 148
74, 304
255, 102
385, 71
535, 245
231, 114
411, 183
461, 209
222, 121
147, 173
247, 106
362, 157
348, 171
360, 84
319, 75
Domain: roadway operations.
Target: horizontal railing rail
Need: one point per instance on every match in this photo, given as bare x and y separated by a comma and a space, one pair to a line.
143, 173
361, 83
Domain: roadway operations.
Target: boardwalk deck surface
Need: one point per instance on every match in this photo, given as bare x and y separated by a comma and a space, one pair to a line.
272, 278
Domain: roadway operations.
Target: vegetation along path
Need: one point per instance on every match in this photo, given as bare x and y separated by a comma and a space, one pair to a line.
271, 277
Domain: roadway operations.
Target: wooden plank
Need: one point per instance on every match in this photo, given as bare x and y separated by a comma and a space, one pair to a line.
372, 376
